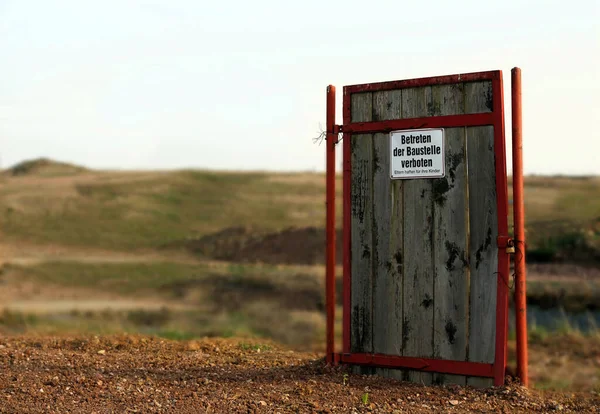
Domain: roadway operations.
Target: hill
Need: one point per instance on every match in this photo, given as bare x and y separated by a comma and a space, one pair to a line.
44, 167
55, 203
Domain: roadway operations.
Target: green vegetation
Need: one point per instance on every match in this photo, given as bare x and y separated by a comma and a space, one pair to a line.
562, 219
151, 210
175, 279
281, 302
123, 278
54, 203
255, 347
573, 296
562, 360
45, 167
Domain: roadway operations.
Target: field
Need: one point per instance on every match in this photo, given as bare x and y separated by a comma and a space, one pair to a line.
183, 255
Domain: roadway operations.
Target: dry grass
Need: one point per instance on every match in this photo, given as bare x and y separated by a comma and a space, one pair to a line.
149, 210
136, 210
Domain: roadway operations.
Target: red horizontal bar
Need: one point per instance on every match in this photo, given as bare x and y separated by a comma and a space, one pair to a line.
475, 369
414, 83
448, 121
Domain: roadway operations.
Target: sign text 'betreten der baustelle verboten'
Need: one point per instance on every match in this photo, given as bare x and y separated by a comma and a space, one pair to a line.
417, 153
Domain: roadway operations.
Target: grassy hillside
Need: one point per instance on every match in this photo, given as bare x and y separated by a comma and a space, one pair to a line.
68, 205
137, 210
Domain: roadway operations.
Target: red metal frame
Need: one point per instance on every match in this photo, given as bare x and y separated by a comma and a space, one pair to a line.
519, 221
447, 121
421, 364
330, 224
502, 208
496, 119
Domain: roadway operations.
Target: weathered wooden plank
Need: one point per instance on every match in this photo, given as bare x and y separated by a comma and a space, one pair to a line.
478, 97
417, 324
361, 244
416, 102
417, 335
450, 246
386, 105
362, 107
361, 335
447, 100
483, 257
387, 239
450, 239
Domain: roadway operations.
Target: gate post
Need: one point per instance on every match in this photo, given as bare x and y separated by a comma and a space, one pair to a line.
331, 139
519, 223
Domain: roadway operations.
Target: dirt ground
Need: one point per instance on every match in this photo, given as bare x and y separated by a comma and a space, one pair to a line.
143, 374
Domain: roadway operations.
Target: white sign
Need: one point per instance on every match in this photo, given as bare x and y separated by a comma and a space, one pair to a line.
417, 153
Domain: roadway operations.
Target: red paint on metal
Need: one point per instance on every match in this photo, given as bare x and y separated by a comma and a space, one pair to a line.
502, 206
448, 121
330, 225
496, 118
423, 364
414, 83
504, 242
519, 221
347, 190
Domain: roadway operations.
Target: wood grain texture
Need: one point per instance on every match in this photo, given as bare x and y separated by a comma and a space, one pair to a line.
450, 247
361, 316
447, 100
450, 244
386, 105
478, 97
387, 239
417, 324
361, 106
483, 256
483, 223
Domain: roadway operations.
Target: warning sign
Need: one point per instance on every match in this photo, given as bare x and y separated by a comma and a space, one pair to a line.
417, 153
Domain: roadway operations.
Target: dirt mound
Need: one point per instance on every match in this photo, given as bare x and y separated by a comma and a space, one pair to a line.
306, 245
44, 166
291, 246
144, 374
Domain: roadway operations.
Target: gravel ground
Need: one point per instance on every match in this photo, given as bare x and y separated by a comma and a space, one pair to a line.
126, 374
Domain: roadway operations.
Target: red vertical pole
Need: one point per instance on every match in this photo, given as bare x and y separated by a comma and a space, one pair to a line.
502, 204
330, 225
519, 222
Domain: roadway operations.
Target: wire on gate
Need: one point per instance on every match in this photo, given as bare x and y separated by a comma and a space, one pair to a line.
323, 136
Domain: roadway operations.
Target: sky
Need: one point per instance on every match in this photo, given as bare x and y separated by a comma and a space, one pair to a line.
240, 85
